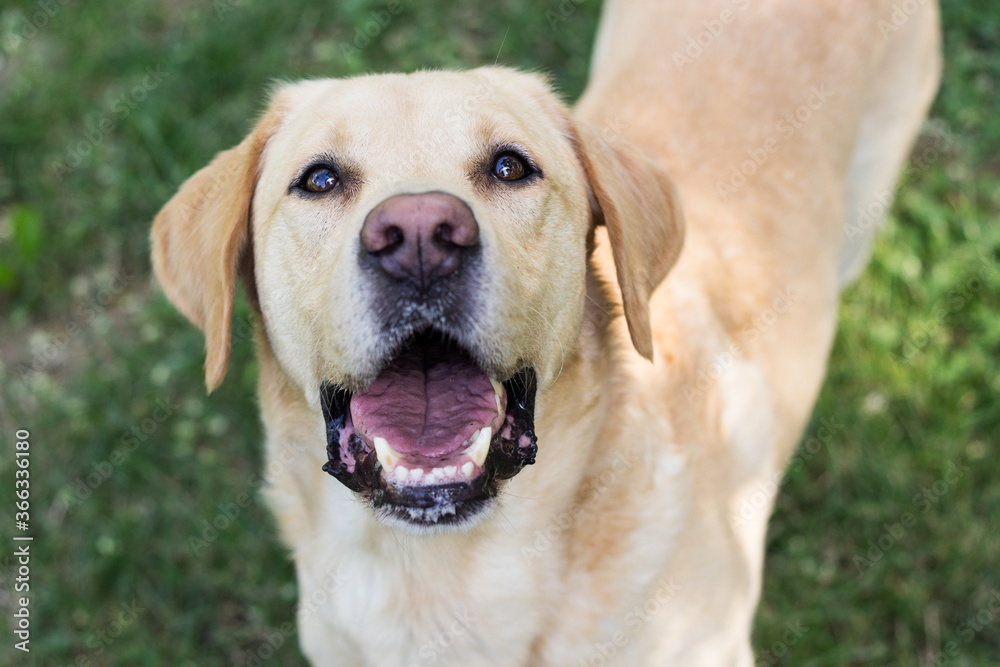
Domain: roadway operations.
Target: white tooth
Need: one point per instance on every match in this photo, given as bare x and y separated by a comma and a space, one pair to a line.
401, 474
387, 456
467, 469
497, 392
480, 446
416, 474
449, 471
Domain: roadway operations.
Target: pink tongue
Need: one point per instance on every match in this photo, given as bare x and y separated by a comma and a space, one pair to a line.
428, 402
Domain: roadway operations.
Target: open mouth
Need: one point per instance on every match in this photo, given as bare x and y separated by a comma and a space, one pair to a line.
430, 440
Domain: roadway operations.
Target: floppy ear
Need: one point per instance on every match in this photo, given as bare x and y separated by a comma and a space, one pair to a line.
202, 235
640, 206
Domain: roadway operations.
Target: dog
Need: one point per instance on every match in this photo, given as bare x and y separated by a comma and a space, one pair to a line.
522, 367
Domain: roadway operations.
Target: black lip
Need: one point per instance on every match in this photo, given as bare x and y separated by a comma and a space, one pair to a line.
441, 504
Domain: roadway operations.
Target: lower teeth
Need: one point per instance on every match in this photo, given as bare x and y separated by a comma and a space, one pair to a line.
402, 475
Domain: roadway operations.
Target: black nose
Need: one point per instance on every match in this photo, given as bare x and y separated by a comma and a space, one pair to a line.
420, 237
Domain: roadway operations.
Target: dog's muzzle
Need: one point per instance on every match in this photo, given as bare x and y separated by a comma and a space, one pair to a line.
431, 438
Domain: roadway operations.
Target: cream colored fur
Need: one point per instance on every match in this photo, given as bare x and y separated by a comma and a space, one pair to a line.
637, 537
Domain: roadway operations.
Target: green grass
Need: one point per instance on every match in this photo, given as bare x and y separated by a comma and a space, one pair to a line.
912, 386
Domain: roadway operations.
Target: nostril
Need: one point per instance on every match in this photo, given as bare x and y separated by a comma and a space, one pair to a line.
443, 233
461, 232
381, 237
393, 238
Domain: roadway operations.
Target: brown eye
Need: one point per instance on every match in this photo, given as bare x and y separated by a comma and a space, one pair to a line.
320, 179
510, 167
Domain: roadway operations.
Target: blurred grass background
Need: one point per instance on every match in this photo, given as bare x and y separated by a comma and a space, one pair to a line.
131, 461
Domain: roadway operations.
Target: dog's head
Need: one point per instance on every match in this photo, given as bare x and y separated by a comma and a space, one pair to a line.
416, 246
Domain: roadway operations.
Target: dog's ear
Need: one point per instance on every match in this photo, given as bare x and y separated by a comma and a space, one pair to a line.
639, 204
201, 236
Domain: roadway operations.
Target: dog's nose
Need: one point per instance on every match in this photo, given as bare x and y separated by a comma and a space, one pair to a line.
420, 237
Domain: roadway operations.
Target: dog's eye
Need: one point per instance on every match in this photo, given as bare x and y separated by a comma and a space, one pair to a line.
320, 178
510, 167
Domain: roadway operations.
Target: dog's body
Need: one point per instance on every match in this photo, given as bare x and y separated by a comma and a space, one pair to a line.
637, 536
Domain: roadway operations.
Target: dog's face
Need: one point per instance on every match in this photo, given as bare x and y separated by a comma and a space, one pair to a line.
417, 248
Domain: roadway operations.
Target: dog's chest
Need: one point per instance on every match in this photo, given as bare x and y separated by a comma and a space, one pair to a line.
421, 609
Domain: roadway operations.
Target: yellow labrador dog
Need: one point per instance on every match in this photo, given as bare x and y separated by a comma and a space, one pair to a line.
529, 375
